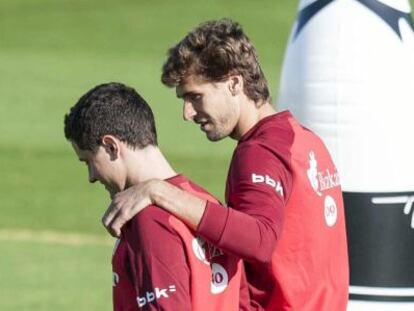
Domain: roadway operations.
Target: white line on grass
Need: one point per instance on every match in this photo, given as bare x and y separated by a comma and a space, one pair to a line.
54, 237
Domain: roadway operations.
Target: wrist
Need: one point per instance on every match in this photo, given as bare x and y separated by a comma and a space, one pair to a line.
154, 191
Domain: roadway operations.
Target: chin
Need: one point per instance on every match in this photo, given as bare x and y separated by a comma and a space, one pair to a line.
215, 136
219, 135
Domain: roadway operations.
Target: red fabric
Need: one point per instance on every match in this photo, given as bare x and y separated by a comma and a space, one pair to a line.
294, 247
160, 264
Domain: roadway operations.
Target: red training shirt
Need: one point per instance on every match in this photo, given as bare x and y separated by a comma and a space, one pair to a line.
286, 218
159, 264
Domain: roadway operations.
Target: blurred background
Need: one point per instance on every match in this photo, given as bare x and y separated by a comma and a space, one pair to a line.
55, 254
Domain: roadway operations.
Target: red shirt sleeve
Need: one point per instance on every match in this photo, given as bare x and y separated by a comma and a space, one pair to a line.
160, 271
257, 189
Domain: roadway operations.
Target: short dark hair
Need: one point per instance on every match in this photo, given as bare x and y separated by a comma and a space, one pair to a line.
215, 50
111, 109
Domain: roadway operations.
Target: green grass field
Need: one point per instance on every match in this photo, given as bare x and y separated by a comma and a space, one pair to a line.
55, 255
51, 52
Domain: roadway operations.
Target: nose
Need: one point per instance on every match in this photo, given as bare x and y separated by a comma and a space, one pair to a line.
188, 111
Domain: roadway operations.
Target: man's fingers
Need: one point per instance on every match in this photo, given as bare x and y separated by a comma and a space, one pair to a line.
124, 206
107, 221
109, 215
114, 233
114, 218
115, 226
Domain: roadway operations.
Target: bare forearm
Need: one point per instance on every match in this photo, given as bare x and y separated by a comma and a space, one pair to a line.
247, 237
184, 205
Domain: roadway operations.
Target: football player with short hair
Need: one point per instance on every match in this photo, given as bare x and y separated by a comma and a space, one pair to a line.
158, 262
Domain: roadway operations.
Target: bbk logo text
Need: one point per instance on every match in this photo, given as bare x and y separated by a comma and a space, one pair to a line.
266, 179
155, 295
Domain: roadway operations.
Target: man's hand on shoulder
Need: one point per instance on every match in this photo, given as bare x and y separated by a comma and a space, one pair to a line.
126, 204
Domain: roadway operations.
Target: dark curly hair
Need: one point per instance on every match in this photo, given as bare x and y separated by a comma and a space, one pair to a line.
215, 50
113, 109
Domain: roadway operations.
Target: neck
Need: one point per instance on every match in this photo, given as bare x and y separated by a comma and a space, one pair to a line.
145, 164
250, 115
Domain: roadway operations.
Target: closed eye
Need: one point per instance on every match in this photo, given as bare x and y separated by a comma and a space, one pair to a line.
193, 98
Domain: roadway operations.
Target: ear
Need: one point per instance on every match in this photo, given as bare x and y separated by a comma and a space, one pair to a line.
112, 146
235, 84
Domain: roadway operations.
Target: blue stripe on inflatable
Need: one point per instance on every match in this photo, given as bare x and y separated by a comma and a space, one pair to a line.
388, 14
306, 14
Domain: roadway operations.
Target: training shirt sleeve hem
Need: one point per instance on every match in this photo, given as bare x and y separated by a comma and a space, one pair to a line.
213, 222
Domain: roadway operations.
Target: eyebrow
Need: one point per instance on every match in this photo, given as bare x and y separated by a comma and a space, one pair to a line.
186, 94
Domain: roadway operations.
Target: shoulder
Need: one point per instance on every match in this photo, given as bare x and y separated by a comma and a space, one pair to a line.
152, 214
156, 236
149, 224
193, 188
199, 191
258, 155
271, 141
257, 167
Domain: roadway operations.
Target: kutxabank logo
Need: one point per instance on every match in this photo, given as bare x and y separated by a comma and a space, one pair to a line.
206, 252
388, 14
406, 200
321, 181
312, 173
